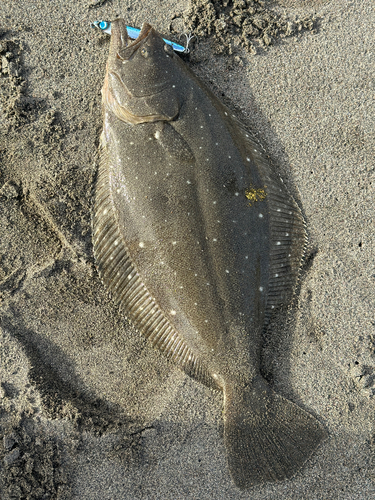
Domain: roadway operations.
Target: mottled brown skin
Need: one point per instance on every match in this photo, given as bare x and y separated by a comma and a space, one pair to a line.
198, 268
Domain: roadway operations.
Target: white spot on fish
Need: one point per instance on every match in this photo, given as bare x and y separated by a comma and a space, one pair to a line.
227, 271
236, 194
278, 242
115, 243
261, 289
105, 212
260, 216
141, 244
174, 242
173, 312
248, 159
214, 239
188, 182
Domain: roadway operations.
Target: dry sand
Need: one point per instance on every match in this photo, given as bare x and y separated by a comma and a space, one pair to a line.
88, 410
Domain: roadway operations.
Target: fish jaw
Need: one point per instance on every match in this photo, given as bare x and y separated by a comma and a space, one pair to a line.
141, 82
119, 38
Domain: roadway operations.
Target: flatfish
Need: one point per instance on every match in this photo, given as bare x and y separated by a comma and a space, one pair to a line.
199, 242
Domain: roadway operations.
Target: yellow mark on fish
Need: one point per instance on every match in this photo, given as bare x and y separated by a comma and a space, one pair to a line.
255, 194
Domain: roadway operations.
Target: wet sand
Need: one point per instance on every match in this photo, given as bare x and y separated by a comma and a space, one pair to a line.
87, 409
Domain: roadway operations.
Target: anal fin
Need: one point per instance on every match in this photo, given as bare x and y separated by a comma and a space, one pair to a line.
121, 277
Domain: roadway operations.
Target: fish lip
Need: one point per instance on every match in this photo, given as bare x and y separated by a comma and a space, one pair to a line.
144, 33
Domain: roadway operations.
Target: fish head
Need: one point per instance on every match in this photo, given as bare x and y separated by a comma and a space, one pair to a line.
142, 78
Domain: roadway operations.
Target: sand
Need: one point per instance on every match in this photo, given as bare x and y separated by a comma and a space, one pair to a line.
87, 409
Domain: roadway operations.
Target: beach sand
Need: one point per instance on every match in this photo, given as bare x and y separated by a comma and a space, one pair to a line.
88, 410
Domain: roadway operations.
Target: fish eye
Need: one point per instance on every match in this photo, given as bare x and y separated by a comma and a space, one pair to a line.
168, 49
144, 52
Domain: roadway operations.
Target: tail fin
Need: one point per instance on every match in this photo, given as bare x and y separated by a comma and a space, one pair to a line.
267, 437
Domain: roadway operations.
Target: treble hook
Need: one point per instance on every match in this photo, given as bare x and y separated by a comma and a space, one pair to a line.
189, 37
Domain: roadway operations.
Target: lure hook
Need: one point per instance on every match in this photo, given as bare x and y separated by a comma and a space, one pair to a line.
189, 37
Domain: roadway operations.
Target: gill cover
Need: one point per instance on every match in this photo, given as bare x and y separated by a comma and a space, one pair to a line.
141, 83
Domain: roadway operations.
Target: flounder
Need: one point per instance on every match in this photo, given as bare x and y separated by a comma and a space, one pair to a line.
199, 241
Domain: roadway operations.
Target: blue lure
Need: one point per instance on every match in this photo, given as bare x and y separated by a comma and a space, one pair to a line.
133, 33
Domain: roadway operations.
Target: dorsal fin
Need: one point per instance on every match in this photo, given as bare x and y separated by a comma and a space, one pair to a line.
288, 237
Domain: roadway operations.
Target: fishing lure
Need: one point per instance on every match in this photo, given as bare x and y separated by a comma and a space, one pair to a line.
133, 33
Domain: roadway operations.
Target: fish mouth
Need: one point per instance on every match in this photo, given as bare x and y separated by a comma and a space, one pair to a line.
125, 47
122, 50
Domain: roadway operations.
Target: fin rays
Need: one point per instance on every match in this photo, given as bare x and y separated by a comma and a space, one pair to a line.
267, 436
118, 273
